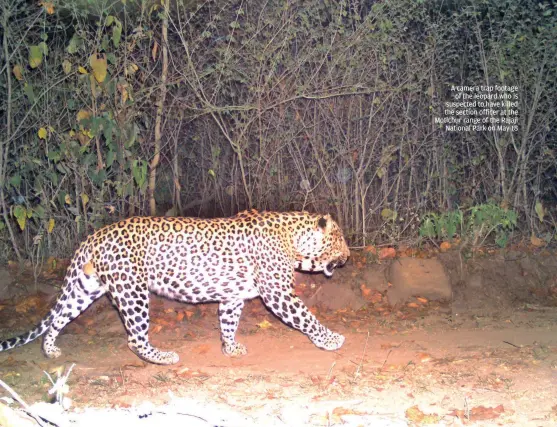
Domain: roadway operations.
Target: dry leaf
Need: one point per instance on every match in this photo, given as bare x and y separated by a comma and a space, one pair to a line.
366, 292
154, 51
480, 413
48, 7
387, 253
42, 133
18, 72
82, 115
424, 357
99, 65
370, 250
536, 241
265, 324
445, 246
155, 329
414, 414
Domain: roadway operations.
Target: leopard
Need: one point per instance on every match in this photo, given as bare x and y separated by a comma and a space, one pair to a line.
196, 260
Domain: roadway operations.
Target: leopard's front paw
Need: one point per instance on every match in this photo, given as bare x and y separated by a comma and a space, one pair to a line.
331, 341
234, 350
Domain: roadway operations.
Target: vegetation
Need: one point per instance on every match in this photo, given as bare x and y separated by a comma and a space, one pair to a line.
207, 108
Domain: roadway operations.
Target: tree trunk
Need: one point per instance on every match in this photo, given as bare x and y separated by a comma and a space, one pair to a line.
158, 120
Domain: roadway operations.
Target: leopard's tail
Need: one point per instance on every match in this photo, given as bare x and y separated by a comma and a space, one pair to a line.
29, 336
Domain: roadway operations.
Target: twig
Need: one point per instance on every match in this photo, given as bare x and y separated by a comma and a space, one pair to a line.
510, 343
385, 361
22, 403
357, 373
331, 370
58, 387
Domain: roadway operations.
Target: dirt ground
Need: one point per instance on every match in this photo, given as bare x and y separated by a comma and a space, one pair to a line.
487, 356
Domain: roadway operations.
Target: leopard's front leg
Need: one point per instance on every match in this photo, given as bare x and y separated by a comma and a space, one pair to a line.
292, 311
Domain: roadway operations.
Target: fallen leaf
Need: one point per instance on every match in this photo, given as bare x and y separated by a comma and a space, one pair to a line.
414, 414
445, 246
265, 324
536, 241
424, 357
155, 329
479, 413
370, 250
365, 290
387, 253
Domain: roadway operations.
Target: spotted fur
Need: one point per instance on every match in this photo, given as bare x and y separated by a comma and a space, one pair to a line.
226, 260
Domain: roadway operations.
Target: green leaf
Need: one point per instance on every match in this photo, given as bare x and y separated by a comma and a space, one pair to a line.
99, 177
108, 21
62, 197
132, 136
28, 90
20, 214
388, 214
15, 181
139, 172
116, 33
44, 48
540, 211
39, 212
35, 56
84, 199
66, 66
107, 131
75, 44
110, 158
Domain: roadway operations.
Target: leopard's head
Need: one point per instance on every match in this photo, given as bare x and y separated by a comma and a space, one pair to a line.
321, 246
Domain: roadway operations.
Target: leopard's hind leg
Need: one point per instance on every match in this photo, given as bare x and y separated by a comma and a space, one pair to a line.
79, 291
229, 317
131, 297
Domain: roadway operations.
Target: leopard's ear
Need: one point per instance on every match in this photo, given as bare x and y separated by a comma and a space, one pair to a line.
324, 223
